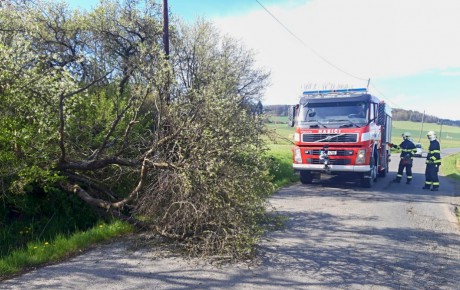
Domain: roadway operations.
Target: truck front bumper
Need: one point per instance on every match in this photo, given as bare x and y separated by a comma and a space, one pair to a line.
332, 168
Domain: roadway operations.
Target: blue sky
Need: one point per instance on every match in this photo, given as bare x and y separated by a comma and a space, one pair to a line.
410, 49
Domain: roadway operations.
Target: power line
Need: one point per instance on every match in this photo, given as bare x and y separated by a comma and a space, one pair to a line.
323, 58
393, 103
307, 46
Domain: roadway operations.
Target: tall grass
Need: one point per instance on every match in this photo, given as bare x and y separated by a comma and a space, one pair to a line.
38, 215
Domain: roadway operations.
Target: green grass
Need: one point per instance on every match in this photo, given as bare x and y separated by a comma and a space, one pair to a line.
281, 169
449, 137
280, 141
38, 253
280, 134
451, 166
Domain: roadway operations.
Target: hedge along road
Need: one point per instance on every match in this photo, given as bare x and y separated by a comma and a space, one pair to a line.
392, 236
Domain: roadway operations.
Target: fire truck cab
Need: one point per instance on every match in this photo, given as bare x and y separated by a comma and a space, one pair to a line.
344, 132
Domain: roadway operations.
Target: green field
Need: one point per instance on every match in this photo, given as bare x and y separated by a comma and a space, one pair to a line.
449, 137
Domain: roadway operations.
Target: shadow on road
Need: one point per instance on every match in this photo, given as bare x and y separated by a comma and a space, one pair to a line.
389, 257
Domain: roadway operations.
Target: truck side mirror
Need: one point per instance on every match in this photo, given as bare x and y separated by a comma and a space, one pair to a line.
381, 115
292, 112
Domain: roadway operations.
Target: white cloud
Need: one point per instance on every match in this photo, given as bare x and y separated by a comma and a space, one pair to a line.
450, 73
365, 38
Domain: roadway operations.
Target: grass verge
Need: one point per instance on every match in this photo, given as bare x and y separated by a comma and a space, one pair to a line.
38, 253
281, 167
451, 168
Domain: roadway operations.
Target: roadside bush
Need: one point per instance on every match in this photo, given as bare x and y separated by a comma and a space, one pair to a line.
90, 107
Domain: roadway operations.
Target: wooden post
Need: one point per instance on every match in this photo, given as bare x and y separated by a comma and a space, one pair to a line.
166, 28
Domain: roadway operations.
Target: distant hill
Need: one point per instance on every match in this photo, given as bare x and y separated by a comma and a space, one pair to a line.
398, 115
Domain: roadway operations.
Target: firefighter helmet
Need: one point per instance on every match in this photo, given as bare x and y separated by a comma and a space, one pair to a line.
406, 135
431, 135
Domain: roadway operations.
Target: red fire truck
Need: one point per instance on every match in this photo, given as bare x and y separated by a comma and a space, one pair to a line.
344, 132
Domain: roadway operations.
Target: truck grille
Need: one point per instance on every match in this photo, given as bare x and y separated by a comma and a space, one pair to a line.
329, 138
331, 161
339, 152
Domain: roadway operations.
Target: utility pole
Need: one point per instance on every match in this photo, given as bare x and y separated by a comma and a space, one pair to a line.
166, 28
440, 132
166, 47
423, 119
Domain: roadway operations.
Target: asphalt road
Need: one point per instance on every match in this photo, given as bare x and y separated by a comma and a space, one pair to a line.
337, 236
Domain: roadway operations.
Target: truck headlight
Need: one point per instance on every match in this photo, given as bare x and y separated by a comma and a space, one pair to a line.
297, 155
296, 137
361, 158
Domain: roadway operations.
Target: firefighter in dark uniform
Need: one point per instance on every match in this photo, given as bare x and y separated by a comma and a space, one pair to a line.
433, 161
408, 150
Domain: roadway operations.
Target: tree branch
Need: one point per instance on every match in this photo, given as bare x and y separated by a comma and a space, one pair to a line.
96, 164
90, 183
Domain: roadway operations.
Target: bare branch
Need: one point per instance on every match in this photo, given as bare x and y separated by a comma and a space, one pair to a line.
87, 86
96, 164
134, 119
99, 187
85, 196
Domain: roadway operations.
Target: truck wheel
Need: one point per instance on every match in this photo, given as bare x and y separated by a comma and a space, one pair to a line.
368, 179
306, 177
383, 173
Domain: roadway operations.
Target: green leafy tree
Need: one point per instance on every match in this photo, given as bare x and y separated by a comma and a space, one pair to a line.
91, 105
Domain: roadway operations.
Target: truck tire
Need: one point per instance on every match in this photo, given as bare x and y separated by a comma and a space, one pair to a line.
368, 179
383, 173
306, 177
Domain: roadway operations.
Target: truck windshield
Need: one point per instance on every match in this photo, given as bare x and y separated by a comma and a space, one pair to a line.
334, 115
